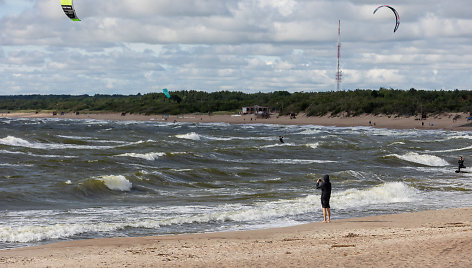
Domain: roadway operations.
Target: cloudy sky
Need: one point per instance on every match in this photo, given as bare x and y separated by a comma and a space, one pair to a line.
140, 46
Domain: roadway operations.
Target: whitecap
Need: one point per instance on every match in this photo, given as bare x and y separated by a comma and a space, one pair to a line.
300, 161
310, 132
153, 218
118, 183
146, 156
275, 145
18, 142
189, 136
452, 150
397, 142
313, 145
387, 193
14, 141
34, 233
456, 137
423, 159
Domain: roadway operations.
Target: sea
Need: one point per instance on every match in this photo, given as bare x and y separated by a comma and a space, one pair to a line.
71, 179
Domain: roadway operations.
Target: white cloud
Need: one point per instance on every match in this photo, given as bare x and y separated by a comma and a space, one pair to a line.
133, 46
284, 7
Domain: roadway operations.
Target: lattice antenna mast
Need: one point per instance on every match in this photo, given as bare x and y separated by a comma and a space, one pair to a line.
339, 73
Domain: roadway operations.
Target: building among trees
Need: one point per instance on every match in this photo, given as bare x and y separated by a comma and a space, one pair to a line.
256, 109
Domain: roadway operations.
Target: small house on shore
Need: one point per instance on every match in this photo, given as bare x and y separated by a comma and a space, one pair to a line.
256, 109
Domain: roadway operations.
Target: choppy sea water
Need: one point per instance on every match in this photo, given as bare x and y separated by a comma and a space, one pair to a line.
75, 179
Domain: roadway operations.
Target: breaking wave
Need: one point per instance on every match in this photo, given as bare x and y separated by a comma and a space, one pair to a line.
117, 183
189, 136
147, 156
391, 192
105, 183
18, 142
423, 159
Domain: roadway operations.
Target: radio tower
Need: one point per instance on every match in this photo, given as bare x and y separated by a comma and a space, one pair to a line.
339, 73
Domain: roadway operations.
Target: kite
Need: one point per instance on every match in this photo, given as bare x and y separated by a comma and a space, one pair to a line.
68, 8
397, 17
166, 92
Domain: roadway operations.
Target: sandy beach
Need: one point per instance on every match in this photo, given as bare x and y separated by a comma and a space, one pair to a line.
441, 238
443, 121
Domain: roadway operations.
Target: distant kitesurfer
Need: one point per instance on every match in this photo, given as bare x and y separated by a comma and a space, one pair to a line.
325, 187
281, 139
461, 164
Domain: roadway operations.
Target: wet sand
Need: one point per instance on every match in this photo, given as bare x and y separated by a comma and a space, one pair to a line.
439, 238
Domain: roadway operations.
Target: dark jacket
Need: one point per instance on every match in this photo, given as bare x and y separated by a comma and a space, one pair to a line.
461, 163
325, 187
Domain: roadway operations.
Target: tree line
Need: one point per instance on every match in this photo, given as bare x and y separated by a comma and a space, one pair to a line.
352, 103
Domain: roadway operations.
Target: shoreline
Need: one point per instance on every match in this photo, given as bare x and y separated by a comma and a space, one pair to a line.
443, 121
438, 238
429, 238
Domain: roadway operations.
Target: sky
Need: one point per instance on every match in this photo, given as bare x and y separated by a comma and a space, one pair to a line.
141, 46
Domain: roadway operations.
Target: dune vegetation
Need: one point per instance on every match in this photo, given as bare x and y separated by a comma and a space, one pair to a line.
351, 103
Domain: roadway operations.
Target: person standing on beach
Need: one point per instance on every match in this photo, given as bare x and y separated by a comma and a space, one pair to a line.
325, 187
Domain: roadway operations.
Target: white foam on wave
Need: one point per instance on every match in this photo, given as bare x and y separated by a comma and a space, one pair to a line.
310, 132
300, 161
37, 155
457, 137
389, 192
15, 165
452, 150
14, 141
141, 141
218, 138
33, 233
116, 183
397, 142
236, 138
10, 152
197, 137
91, 139
189, 136
181, 169
393, 132
213, 125
156, 217
267, 179
313, 145
423, 159
359, 174
18, 142
435, 170
146, 156
276, 145
74, 137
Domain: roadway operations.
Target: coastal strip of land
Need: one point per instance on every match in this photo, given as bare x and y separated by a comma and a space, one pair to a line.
437, 238
448, 121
